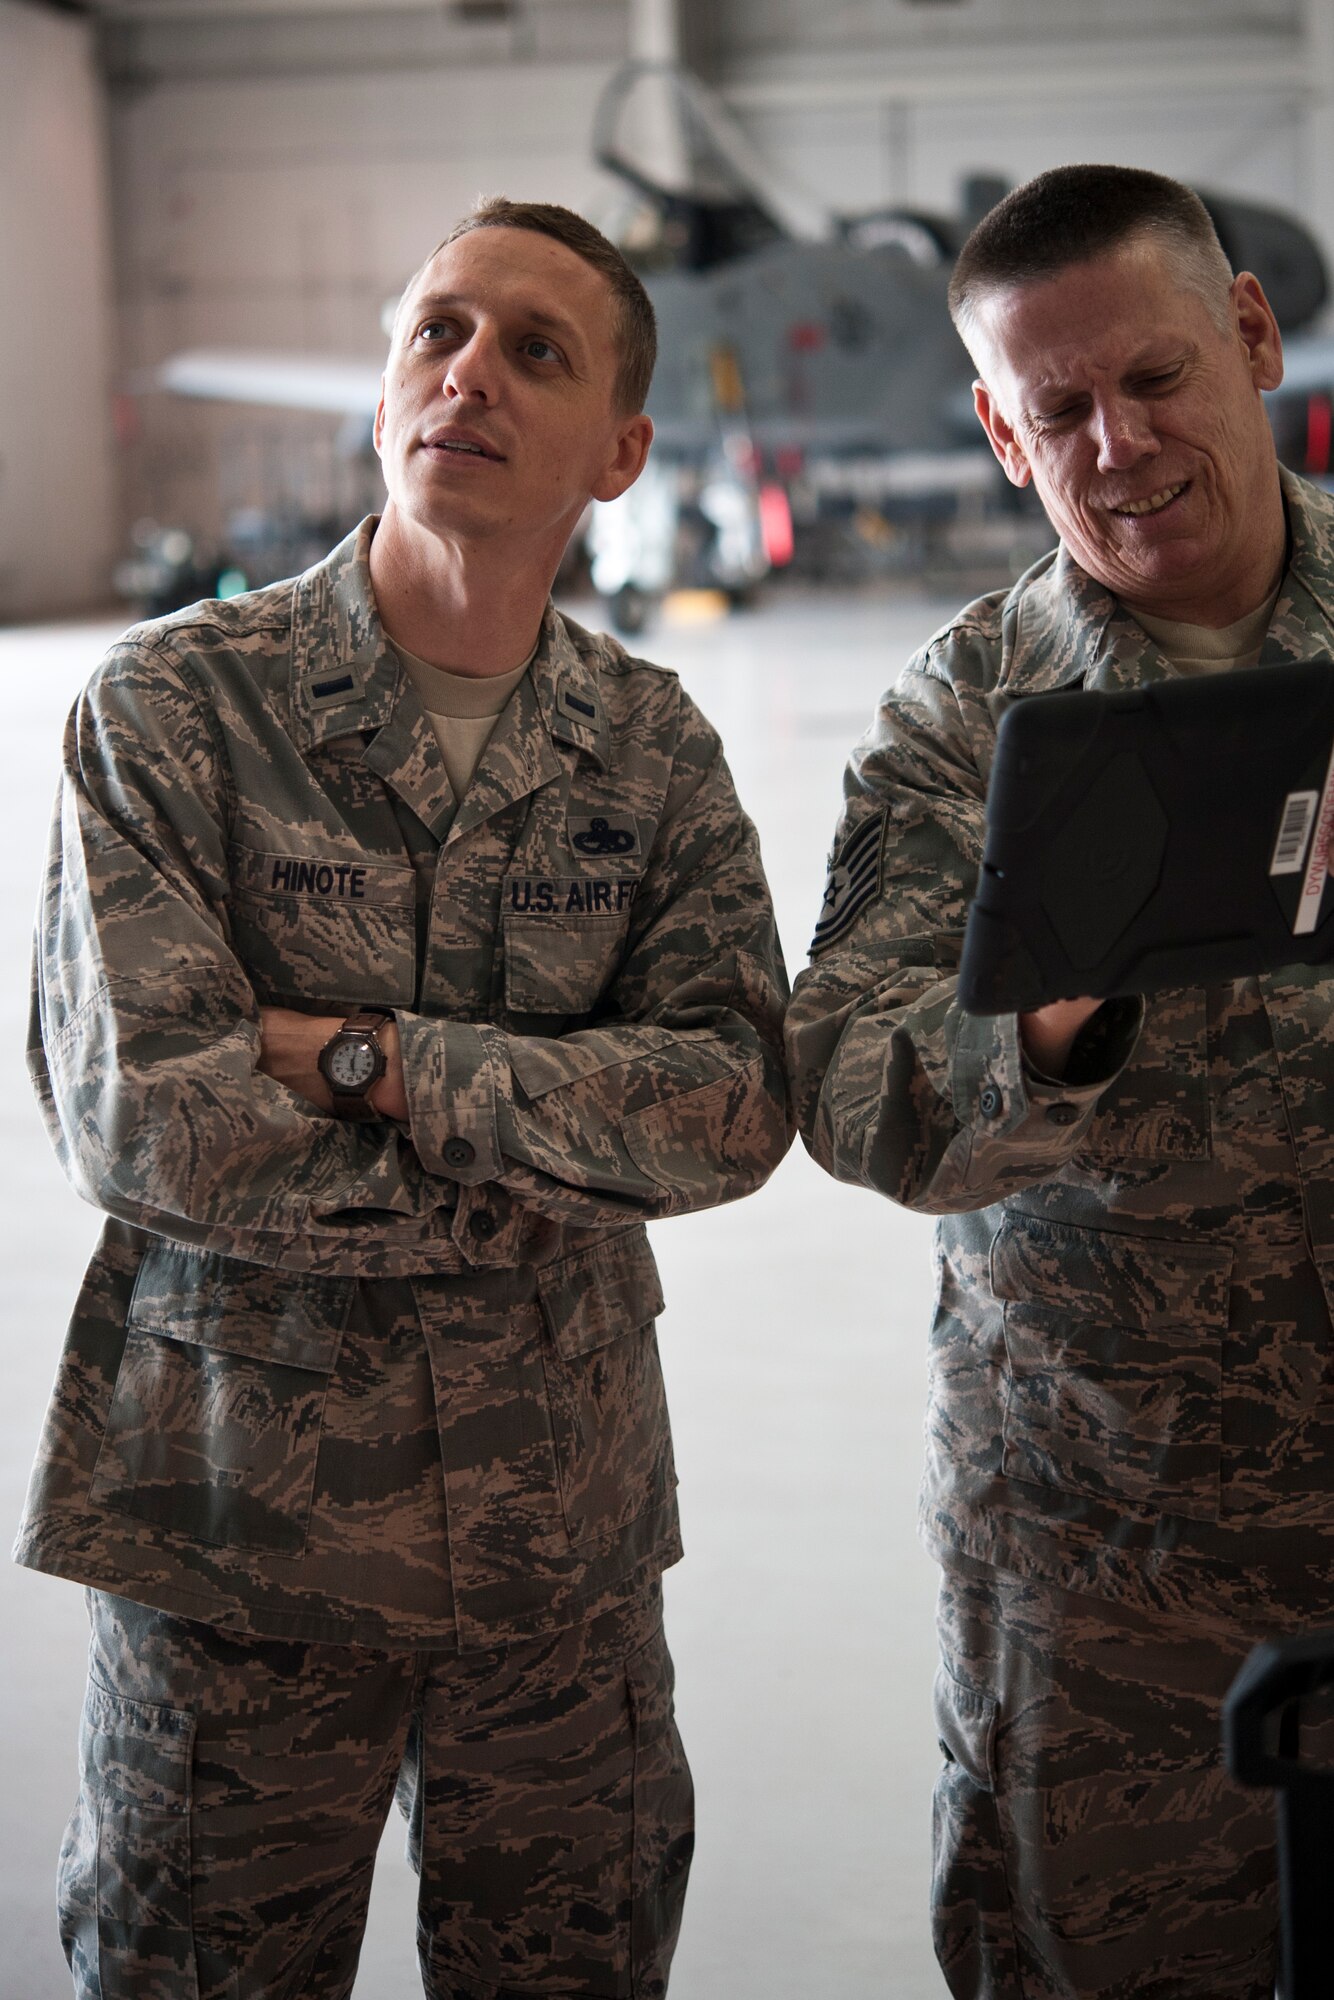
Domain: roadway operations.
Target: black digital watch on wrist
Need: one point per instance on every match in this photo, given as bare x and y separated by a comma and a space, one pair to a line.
352, 1063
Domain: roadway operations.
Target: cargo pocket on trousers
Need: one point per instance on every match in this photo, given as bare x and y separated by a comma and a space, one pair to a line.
604, 1386
1115, 1349
664, 1819
126, 1919
971, 1913
214, 1426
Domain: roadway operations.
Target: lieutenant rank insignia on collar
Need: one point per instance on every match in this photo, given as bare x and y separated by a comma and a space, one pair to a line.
854, 881
579, 719
327, 687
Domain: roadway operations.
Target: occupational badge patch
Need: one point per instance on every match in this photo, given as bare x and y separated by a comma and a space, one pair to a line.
854, 880
604, 833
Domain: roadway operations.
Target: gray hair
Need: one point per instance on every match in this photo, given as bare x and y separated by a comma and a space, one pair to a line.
1070, 215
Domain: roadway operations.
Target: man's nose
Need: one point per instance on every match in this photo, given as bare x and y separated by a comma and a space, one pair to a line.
1124, 436
472, 373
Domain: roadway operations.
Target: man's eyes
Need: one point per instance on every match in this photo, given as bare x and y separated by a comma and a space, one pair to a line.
1064, 414
432, 332
1157, 382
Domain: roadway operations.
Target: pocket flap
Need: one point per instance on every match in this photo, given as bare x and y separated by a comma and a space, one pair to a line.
144, 1752
597, 1295
212, 1301
965, 1727
1110, 1275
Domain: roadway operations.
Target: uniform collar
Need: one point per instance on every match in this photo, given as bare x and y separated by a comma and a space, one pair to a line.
345, 674
346, 679
1061, 628
568, 694
556, 707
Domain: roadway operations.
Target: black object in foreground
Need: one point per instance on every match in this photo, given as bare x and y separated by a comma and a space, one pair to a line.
1261, 1743
1166, 835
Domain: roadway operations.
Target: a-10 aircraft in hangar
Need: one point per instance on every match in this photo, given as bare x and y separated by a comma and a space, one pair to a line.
810, 389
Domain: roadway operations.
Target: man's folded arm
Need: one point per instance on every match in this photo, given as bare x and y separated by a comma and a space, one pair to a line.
673, 1096
145, 1036
146, 1042
897, 1088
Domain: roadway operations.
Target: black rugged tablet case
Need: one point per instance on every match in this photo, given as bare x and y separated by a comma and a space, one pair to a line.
1168, 835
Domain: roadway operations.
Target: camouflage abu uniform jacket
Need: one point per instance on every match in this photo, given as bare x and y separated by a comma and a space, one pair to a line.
1132, 1366
357, 1382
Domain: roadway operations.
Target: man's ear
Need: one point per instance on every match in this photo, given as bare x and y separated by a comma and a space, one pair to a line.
627, 461
1258, 328
377, 429
1001, 436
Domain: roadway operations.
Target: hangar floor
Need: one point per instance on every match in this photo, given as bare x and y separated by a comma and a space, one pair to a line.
801, 1620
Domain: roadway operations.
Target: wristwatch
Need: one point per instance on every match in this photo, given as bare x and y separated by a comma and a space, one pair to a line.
352, 1063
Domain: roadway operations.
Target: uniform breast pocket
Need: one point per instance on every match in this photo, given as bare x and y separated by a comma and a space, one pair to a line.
214, 1426
563, 941
1114, 1345
331, 930
605, 1387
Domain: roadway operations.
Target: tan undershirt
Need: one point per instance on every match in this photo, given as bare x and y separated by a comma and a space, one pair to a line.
1209, 649
462, 709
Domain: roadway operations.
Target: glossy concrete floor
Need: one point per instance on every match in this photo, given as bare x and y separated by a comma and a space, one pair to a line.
793, 1342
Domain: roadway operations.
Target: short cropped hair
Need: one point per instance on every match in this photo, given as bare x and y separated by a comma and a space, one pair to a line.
636, 327
1071, 214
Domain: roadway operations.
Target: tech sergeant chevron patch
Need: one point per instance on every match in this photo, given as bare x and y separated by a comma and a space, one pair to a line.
854, 879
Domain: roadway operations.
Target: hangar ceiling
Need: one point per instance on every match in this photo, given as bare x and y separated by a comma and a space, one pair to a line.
785, 21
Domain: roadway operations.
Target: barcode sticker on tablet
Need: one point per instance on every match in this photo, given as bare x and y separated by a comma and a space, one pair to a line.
1317, 866
1293, 834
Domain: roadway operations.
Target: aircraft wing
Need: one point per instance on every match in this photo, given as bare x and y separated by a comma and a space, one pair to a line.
284, 381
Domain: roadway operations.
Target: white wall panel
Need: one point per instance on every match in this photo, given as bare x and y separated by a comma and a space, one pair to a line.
915, 155
1234, 95
748, 28
56, 505
281, 213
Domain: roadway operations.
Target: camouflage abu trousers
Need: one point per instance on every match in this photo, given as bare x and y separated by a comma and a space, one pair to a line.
234, 1791
1089, 1844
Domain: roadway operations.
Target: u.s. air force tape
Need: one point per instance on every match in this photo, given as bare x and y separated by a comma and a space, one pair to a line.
854, 880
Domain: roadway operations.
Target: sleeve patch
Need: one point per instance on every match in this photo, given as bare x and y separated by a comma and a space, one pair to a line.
854, 881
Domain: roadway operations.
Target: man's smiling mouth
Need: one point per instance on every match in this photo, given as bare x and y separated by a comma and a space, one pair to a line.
1155, 502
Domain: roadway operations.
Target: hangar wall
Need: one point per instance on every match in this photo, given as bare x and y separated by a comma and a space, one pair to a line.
276, 179
55, 329
272, 196
893, 105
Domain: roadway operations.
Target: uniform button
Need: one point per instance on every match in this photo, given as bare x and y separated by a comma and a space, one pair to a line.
989, 1101
1063, 1114
458, 1153
482, 1224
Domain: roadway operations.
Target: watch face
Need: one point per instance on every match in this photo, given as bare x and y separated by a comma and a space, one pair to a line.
351, 1062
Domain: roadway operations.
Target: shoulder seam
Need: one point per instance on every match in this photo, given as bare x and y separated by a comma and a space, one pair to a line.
194, 687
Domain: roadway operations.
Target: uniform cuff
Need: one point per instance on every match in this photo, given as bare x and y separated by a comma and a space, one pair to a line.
449, 1079
1000, 1096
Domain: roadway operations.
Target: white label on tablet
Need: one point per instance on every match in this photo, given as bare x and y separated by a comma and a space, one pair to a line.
1290, 847
1317, 866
